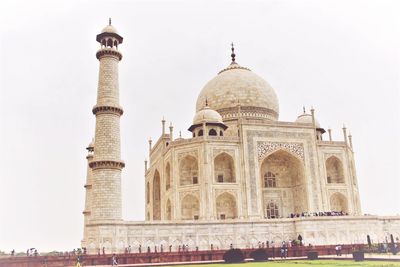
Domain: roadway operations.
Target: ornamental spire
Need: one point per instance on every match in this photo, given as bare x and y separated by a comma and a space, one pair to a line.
109, 21
233, 54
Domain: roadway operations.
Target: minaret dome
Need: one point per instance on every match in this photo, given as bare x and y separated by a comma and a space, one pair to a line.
109, 37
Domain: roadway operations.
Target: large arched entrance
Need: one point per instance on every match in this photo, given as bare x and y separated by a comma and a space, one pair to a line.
283, 181
156, 196
226, 206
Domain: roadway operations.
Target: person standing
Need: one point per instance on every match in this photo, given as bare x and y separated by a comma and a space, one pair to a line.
78, 261
114, 260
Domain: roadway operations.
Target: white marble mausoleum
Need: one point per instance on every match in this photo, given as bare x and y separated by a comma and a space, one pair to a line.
243, 177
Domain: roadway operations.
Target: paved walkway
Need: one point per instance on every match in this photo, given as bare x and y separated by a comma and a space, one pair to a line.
368, 256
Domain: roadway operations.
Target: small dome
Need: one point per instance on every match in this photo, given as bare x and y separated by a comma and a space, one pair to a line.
90, 147
109, 29
238, 85
207, 115
91, 144
307, 118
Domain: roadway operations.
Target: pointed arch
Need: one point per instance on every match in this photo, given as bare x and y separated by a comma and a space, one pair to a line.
338, 202
334, 170
188, 170
226, 206
190, 208
285, 172
224, 168
110, 43
212, 132
156, 196
168, 176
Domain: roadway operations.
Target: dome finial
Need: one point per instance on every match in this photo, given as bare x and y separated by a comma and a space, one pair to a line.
109, 21
233, 53
304, 110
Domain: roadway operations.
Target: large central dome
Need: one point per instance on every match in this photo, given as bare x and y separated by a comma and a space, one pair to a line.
236, 85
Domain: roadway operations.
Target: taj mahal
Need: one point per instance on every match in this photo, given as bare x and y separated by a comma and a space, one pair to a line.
242, 178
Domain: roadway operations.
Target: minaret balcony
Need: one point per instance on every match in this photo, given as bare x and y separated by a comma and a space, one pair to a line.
107, 164
108, 52
107, 110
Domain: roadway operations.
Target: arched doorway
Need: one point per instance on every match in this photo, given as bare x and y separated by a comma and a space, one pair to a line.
224, 170
338, 202
283, 173
226, 206
334, 170
188, 171
190, 208
156, 196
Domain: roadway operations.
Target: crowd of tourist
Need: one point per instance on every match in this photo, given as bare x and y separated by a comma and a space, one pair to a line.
316, 214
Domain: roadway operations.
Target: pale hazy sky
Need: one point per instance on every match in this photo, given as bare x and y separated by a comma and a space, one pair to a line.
342, 57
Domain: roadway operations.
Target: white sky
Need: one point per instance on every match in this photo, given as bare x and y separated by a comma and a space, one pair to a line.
342, 57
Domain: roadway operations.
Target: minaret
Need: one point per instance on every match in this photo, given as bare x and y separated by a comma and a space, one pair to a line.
107, 164
88, 193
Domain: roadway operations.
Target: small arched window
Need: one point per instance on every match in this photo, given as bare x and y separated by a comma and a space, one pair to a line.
200, 133
269, 180
194, 134
212, 132
221, 133
109, 43
272, 210
115, 43
103, 43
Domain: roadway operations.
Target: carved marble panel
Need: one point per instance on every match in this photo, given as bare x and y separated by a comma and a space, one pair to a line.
265, 148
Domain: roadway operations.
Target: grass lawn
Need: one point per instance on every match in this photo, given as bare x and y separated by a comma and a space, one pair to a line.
305, 263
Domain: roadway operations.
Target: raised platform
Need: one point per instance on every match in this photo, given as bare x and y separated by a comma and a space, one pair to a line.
116, 236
